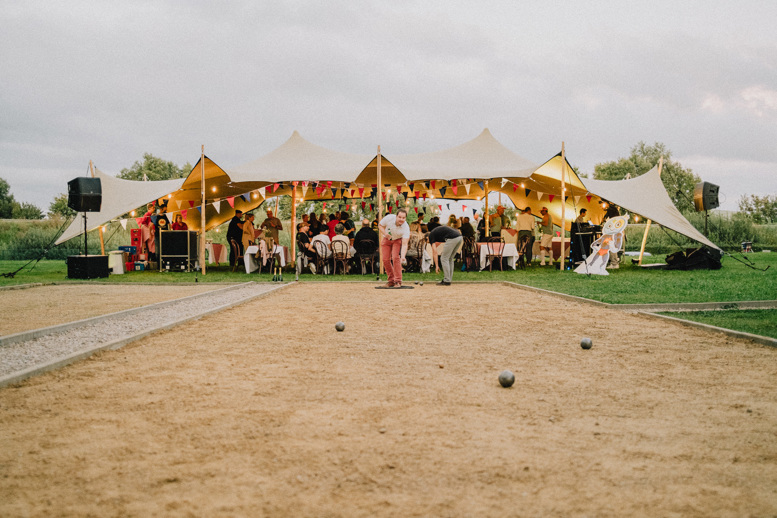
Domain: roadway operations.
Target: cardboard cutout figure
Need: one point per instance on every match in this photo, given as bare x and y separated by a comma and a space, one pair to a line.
611, 241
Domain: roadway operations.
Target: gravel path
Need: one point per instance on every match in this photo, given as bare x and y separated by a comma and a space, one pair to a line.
56, 347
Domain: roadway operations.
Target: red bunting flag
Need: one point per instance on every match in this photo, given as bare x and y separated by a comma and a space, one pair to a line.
424, 196
416, 210
454, 188
275, 187
184, 212
361, 193
324, 206
417, 194
347, 207
351, 193
138, 220
463, 207
384, 196
453, 183
191, 203
434, 183
329, 184
550, 197
440, 207
230, 200
390, 208
363, 204
588, 198
515, 187
397, 202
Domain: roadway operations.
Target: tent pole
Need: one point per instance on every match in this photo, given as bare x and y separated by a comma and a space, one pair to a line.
102, 241
563, 204
202, 215
647, 225
293, 230
487, 221
380, 211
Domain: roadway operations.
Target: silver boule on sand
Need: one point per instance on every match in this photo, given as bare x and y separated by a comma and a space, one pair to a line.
586, 343
340, 326
506, 379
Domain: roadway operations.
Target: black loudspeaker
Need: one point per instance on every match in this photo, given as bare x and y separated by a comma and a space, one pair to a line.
178, 243
705, 196
84, 194
87, 266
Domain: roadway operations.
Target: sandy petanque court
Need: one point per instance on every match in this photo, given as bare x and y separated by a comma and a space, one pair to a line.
266, 410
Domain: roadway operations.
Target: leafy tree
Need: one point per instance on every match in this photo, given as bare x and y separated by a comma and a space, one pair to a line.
6, 200
26, 211
154, 168
763, 209
679, 181
59, 207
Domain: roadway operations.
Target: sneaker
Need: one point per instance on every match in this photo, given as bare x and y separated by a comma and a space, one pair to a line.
542, 263
443, 283
388, 285
312, 268
613, 267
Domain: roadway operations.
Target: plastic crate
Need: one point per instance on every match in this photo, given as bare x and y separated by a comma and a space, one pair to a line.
139, 267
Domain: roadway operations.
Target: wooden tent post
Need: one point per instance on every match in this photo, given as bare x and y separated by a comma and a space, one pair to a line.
293, 230
647, 225
202, 212
487, 221
102, 240
563, 204
380, 212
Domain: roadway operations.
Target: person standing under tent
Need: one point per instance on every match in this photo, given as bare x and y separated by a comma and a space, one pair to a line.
178, 223
546, 237
395, 233
235, 231
248, 231
453, 242
526, 228
273, 226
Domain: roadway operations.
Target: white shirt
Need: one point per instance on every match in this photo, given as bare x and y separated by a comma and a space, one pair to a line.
525, 222
324, 239
395, 232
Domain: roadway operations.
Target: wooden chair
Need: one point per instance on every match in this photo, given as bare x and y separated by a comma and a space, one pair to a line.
470, 254
495, 247
367, 252
415, 262
236, 251
523, 251
340, 256
322, 254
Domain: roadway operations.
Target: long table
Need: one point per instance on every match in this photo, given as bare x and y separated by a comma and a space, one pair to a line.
249, 257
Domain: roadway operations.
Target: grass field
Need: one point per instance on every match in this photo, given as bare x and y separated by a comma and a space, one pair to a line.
756, 321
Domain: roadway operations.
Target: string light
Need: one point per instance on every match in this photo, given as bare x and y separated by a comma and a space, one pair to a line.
132, 213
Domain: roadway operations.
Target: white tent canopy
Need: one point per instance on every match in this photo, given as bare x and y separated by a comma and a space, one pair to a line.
646, 195
118, 197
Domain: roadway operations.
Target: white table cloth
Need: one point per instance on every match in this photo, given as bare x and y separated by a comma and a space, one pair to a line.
217, 253
510, 252
250, 256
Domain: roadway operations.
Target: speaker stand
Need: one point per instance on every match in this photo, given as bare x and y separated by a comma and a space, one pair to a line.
86, 249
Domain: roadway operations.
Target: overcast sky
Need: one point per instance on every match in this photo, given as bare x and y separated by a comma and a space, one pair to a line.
109, 81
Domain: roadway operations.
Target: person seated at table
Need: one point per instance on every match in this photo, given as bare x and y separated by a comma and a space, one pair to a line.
178, 223
303, 240
466, 228
453, 222
333, 222
374, 225
342, 238
433, 223
420, 219
366, 233
416, 237
323, 236
350, 226
314, 225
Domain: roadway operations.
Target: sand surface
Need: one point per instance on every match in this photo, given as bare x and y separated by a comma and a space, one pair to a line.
266, 410
43, 306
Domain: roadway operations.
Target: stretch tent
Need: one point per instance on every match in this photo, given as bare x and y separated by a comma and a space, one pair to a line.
466, 171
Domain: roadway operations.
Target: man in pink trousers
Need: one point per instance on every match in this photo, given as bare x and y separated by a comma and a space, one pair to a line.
395, 233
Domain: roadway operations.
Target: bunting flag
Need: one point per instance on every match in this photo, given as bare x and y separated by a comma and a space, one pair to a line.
466, 187
482, 186
334, 193
184, 212
154, 219
434, 184
417, 194
566, 198
504, 181
550, 198
191, 203
527, 192
399, 188
404, 194
361, 193
577, 200
390, 209
416, 209
411, 186
588, 198
275, 187
539, 195
123, 223
440, 206
397, 203
199, 209
455, 189
442, 191
263, 192
351, 193
324, 206
515, 187
217, 206
304, 189
384, 196
372, 207
424, 196
246, 196
347, 207
363, 204
138, 220
169, 216
178, 202
463, 207
329, 184
230, 200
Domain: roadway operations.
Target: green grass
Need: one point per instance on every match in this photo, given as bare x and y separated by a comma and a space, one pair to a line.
761, 322
628, 285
